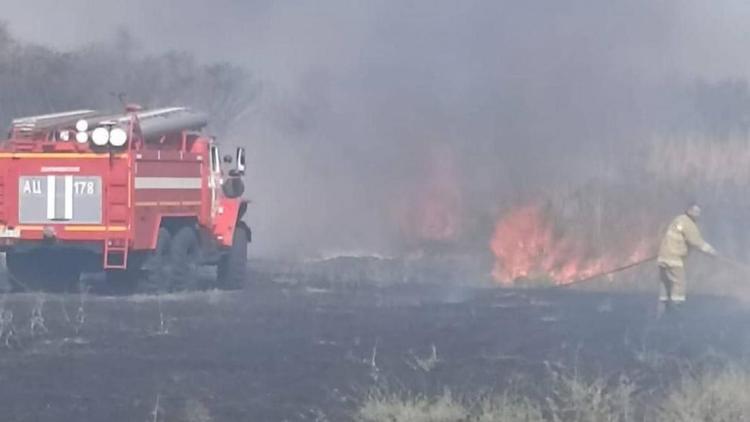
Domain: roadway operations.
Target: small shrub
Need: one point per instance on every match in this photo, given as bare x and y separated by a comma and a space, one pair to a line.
507, 408
574, 400
383, 407
715, 396
592, 401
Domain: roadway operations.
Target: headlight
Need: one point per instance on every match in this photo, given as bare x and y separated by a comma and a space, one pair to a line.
100, 136
64, 135
118, 137
82, 125
82, 137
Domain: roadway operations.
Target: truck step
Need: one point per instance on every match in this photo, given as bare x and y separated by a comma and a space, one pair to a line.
115, 257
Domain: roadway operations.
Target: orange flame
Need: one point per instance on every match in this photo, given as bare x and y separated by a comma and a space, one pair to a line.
526, 244
434, 212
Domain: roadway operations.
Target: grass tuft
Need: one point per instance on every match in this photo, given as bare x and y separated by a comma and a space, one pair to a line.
719, 396
710, 396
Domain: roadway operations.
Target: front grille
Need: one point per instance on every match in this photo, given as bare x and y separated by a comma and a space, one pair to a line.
60, 199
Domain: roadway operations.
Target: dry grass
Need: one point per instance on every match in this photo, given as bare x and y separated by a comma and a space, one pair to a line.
571, 400
396, 408
592, 401
716, 397
700, 159
507, 408
713, 396
445, 408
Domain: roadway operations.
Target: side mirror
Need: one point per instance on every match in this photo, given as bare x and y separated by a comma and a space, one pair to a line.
240, 163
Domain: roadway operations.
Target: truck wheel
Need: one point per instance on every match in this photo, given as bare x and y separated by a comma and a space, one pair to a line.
27, 272
232, 269
154, 277
123, 282
184, 255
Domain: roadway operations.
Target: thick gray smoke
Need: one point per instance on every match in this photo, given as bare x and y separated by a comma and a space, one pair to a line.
380, 127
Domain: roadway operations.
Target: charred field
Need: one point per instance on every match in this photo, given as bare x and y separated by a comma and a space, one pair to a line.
284, 351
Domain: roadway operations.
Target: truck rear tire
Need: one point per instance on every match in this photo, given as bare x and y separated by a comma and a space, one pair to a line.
154, 277
232, 269
37, 271
184, 256
124, 282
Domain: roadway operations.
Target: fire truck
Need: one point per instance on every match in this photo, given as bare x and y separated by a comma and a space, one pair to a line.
144, 195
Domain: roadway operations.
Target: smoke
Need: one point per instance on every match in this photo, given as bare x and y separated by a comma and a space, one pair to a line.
522, 99
374, 117
35, 80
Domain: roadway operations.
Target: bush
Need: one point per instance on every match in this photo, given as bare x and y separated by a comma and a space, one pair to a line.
445, 408
711, 396
573, 400
37, 80
595, 401
402, 408
507, 408
716, 397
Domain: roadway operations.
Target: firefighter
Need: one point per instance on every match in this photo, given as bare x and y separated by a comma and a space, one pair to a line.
683, 234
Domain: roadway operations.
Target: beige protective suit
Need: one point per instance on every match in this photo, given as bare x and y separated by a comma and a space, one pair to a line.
681, 235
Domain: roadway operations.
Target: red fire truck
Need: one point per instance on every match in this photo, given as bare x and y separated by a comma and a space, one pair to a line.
141, 195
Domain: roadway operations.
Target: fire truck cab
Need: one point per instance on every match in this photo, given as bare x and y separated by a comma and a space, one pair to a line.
144, 196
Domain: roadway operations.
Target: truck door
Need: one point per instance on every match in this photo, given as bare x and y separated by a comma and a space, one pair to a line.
215, 179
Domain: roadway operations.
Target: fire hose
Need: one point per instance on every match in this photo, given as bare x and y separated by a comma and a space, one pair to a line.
609, 272
734, 263
739, 265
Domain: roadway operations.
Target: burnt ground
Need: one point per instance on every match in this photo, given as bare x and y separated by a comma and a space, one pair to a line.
280, 352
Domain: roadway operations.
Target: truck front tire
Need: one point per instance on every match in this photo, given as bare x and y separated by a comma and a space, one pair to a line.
155, 270
127, 281
184, 257
232, 269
